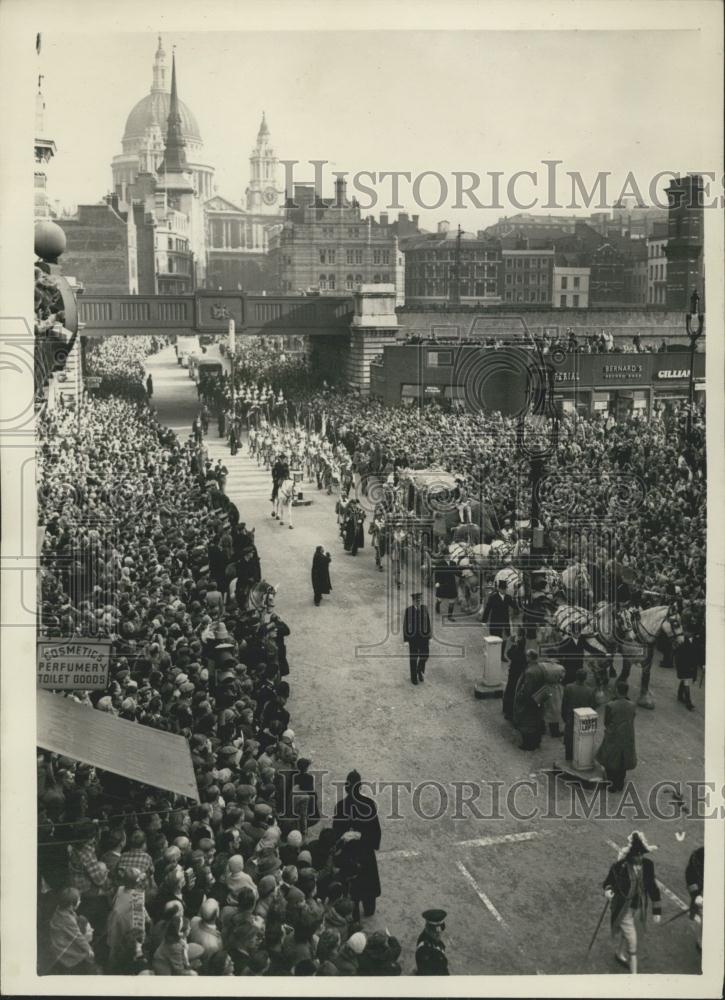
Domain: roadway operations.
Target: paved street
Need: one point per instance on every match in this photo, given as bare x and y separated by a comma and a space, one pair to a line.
522, 895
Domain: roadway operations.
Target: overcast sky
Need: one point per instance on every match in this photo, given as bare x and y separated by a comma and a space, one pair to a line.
384, 101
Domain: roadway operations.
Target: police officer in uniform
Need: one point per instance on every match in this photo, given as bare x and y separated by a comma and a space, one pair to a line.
430, 952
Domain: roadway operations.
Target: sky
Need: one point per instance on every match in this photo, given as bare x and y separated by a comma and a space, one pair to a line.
442, 101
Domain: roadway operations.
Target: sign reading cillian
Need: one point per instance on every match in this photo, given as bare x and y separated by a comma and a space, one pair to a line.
73, 664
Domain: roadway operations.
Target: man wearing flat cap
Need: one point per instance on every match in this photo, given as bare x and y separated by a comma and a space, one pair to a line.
430, 952
417, 633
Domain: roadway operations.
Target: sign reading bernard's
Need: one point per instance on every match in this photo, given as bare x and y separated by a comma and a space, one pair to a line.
73, 664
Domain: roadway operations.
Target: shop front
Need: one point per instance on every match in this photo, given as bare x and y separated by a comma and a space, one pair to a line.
625, 384
618, 383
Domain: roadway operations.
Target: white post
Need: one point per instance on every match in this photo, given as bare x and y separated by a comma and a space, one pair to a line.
491, 683
586, 725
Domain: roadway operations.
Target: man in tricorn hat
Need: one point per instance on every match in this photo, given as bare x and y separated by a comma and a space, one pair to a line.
430, 952
630, 885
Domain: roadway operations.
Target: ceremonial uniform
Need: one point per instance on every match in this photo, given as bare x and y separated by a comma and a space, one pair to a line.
430, 952
630, 885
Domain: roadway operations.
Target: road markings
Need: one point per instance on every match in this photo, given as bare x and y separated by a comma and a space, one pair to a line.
505, 838
386, 855
668, 892
481, 894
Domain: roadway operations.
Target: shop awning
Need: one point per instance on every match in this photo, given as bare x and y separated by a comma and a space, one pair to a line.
140, 753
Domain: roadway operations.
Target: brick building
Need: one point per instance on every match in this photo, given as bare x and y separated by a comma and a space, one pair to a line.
657, 266
102, 250
685, 237
326, 246
431, 260
526, 276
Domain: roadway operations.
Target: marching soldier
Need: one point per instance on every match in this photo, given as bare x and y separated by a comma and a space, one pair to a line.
430, 952
630, 886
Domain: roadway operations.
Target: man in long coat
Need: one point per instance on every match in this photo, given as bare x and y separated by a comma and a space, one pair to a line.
357, 830
630, 885
320, 574
576, 695
497, 614
617, 753
417, 633
528, 717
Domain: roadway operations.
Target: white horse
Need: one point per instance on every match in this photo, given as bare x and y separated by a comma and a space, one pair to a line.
283, 501
647, 626
514, 580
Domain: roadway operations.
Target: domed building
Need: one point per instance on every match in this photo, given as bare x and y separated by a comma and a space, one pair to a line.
145, 132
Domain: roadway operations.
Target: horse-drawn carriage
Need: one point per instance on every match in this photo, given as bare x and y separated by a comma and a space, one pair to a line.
434, 494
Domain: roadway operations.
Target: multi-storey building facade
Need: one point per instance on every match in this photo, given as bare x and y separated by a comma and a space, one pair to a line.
326, 246
657, 266
445, 267
527, 276
685, 238
570, 287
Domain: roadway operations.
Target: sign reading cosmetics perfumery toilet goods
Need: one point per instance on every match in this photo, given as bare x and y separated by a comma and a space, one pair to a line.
73, 664
140, 753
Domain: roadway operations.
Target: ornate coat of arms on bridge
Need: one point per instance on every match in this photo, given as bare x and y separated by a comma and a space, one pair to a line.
215, 311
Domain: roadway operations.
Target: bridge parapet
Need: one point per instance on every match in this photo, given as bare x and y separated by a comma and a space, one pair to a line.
210, 312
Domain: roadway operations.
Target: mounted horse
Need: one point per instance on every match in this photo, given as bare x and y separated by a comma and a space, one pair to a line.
283, 501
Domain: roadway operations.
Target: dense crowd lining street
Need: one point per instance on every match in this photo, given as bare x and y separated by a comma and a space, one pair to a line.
351, 706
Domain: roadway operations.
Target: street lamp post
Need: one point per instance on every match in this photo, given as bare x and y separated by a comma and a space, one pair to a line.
694, 324
232, 358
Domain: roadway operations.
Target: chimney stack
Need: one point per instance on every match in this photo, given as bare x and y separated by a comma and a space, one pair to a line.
383, 218
443, 226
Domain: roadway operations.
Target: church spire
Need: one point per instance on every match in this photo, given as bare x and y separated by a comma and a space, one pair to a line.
159, 82
175, 153
263, 130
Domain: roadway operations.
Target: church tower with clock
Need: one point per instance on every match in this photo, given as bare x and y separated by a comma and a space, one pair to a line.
264, 195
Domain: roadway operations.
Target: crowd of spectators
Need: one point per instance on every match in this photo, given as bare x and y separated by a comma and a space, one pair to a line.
640, 479
143, 547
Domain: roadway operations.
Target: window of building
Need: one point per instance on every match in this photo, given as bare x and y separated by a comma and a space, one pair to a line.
386, 257
562, 301
358, 256
439, 359
376, 279
576, 282
331, 281
349, 257
386, 278
330, 256
376, 256
323, 256
322, 282
349, 282
508, 296
575, 301
358, 279
564, 281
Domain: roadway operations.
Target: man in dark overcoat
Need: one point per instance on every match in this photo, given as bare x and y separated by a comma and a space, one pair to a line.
320, 574
617, 753
357, 831
576, 695
528, 717
417, 633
